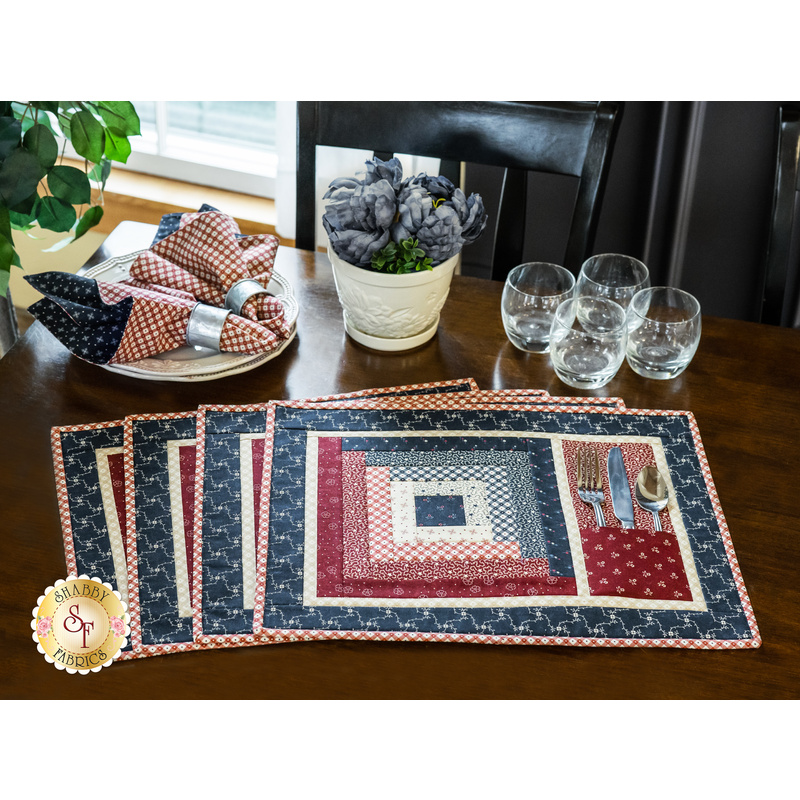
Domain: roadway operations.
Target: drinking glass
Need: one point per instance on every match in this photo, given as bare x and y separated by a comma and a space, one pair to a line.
663, 332
614, 276
531, 295
587, 341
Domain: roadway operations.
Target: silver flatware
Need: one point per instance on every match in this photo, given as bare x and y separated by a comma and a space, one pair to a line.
651, 493
589, 478
620, 490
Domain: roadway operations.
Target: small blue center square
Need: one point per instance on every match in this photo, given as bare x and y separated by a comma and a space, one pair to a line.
444, 509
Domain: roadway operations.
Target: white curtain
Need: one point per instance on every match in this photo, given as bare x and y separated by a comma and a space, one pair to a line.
332, 163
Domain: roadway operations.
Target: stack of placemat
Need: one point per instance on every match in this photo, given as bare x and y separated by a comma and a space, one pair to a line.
435, 512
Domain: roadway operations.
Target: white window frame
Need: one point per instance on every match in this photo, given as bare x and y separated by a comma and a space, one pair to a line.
230, 167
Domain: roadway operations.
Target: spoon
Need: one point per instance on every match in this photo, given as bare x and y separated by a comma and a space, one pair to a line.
651, 492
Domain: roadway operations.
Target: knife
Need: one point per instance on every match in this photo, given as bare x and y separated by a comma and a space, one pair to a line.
620, 490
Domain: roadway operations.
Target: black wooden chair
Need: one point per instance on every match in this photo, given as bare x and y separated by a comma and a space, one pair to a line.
780, 298
562, 138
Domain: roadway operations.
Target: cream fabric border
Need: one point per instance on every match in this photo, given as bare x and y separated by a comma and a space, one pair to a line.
582, 599
178, 535
248, 519
112, 519
310, 550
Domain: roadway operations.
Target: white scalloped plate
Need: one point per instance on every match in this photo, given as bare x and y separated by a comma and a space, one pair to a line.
195, 363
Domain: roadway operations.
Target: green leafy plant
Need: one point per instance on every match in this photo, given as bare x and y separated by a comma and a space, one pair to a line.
402, 257
36, 187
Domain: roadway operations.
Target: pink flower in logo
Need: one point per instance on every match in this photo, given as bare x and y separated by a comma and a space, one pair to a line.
117, 626
44, 625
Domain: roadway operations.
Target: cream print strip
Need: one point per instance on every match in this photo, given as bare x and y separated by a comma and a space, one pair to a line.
405, 525
112, 518
178, 529
248, 519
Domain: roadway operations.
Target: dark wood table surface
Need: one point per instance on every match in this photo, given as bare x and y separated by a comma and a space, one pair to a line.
743, 386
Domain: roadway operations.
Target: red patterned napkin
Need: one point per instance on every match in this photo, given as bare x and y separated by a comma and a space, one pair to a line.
206, 256
112, 323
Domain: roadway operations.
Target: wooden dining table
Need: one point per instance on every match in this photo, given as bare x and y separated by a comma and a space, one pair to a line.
743, 387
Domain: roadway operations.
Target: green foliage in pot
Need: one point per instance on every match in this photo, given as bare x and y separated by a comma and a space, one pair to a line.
402, 258
36, 187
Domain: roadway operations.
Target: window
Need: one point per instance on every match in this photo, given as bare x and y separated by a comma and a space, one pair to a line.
225, 144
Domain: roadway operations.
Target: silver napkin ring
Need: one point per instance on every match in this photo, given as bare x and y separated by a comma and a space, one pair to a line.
205, 326
241, 292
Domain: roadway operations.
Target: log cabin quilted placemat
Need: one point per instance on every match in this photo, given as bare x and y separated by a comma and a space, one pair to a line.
99, 528
446, 521
229, 466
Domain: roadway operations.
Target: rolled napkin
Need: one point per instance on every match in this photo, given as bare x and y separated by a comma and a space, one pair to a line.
114, 323
209, 258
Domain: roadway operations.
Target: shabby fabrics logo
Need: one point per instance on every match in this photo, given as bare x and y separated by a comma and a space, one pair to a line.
80, 624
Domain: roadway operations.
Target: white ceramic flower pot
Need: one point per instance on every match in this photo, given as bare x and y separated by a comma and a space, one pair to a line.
391, 312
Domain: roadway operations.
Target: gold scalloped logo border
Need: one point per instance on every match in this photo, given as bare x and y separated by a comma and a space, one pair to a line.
80, 624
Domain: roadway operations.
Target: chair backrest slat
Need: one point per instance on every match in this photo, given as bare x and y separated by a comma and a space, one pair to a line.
562, 138
778, 281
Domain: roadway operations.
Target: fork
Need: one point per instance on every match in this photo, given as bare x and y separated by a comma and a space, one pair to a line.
590, 482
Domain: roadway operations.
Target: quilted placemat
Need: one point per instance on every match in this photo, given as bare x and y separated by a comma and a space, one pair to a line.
90, 488
157, 499
229, 468
348, 545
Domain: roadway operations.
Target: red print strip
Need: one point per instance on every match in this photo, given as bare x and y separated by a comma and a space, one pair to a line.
343, 508
116, 469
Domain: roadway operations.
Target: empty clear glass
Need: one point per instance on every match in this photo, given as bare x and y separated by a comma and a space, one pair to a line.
614, 276
531, 295
587, 341
663, 332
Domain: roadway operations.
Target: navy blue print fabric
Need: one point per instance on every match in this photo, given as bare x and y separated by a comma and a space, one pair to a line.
87, 515
171, 222
223, 602
724, 619
158, 599
440, 510
73, 311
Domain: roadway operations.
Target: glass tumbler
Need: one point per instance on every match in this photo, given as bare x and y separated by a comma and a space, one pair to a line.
663, 332
587, 341
531, 295
614, 276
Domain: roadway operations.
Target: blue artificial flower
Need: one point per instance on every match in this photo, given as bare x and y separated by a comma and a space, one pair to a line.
439, 215
363, 214
391, 170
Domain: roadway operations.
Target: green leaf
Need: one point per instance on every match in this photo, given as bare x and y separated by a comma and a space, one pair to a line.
22, 215
46, 105
8, 256
5, 225
118, 148
45, 121
41, 142
89, 220
121, 116
10, 135
20, 174
100, 172
87, 136
70, 185
5, 276
401, 258
56, 215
